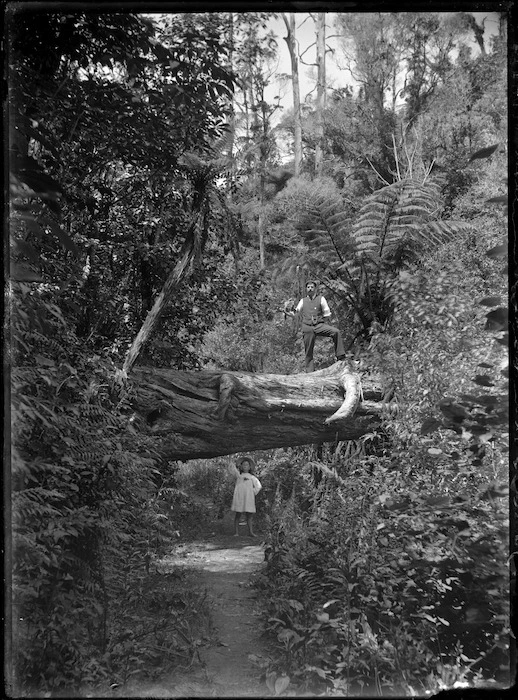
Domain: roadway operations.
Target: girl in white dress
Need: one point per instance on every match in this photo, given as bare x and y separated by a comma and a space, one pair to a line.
246, 489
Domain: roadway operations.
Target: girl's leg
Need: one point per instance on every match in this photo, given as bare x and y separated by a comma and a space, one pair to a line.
249, 518
236, 523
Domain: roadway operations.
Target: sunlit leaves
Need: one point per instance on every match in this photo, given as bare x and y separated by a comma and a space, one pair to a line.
277, 684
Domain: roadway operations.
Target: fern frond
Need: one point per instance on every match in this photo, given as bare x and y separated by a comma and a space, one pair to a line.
325, 226
34, 502
445, 229
396, 220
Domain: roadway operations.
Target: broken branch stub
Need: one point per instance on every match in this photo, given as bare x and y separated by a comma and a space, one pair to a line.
352, 387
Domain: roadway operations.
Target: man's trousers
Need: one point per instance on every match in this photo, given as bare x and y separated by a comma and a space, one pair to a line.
309, 335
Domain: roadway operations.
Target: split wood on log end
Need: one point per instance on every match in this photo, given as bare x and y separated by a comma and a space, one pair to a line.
352, 387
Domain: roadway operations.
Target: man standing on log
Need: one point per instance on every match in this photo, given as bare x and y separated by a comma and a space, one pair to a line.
315, 310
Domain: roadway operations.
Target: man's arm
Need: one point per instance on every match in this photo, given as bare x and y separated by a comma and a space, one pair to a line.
289, 310
326, 312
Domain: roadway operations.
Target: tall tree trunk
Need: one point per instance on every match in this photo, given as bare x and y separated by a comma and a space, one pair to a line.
321, 91
297, 124
232, 137
205, 414
262, 130
247, 118
260, 224
180, 271
232, 116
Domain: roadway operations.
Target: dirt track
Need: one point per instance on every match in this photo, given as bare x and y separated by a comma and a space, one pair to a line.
231, 664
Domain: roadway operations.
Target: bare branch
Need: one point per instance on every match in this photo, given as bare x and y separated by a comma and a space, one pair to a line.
396, 156
377, 173
302, 54
429, 170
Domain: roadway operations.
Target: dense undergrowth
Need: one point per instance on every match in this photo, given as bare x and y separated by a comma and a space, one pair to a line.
387, 559
385, 579
91, 510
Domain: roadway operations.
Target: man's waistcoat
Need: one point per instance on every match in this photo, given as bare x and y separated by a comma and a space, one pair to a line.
312, 311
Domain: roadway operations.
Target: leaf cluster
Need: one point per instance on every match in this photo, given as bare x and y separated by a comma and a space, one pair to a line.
87, 507
369, 589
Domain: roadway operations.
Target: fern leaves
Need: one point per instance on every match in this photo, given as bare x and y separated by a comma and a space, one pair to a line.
393, 220
360, 260
324, 227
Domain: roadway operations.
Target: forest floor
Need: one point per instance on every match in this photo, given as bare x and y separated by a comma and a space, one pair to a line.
229, 664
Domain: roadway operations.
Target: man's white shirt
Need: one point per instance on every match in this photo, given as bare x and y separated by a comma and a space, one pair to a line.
323, 303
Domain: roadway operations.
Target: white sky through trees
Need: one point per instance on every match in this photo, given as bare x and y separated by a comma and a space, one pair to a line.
337, 77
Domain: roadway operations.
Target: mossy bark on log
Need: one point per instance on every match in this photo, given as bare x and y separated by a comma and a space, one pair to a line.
209, 413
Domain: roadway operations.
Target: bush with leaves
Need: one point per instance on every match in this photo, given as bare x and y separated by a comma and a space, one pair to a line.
83, 507
251, 333
358, 250
374, 586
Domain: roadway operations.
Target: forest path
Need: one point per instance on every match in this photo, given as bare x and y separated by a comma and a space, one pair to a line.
222, 564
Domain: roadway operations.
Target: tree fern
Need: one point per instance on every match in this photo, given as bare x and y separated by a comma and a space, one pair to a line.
324, 227
201, 176
322, 221
401, 217
359, 261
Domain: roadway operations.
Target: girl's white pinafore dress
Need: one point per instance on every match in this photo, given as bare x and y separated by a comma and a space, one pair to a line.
247, 486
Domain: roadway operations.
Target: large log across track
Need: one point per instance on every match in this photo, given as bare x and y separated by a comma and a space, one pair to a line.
210, 413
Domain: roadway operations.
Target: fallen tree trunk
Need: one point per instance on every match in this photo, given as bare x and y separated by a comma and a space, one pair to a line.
210, 413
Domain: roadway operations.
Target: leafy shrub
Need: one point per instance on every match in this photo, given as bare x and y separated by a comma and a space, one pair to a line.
375, 588
85, 505
211, 480
165, 620
394, 580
